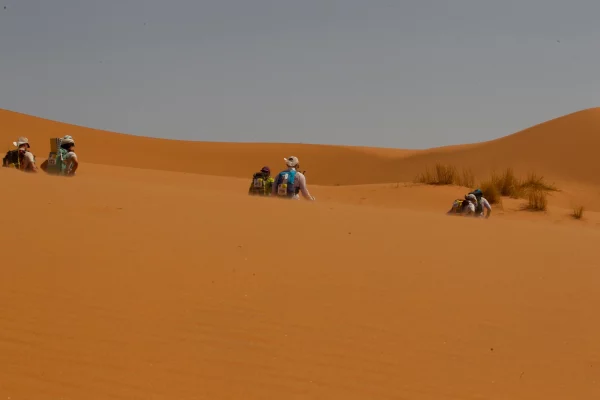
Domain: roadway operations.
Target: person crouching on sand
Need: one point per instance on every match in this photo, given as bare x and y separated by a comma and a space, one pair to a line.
464, 206
481, 204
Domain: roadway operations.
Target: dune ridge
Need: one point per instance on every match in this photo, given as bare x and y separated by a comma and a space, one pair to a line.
546, 148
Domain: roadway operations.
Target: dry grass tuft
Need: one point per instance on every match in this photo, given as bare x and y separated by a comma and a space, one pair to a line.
537, 199
578, 212
491, 192
508, 185
467, 178
537, 182
441, 175
446, 175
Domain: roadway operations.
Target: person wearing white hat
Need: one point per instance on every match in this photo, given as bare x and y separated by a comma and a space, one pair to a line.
290, 182
69, 157
26, 158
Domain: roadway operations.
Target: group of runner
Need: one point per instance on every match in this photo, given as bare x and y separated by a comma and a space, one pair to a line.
62, 162
472, 205
289, 183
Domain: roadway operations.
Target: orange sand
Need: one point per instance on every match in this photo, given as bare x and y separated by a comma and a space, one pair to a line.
135, 280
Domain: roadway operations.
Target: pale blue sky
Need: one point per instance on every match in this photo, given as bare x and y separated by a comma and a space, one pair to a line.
410, 74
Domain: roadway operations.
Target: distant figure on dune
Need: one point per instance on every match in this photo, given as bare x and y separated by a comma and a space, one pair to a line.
262, 183
481, 204
290, 181
472, 205
70, 158
21, 158
62, 160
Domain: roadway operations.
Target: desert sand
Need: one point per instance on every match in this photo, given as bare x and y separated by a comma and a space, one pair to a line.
152, 274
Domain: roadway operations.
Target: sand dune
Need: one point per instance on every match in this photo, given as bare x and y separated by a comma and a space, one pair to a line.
136, 281
132, 284
563, 149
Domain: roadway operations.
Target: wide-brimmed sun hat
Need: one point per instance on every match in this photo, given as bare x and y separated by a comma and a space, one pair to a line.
21, 141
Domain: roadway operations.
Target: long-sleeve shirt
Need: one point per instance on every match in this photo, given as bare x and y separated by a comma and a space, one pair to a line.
486, 204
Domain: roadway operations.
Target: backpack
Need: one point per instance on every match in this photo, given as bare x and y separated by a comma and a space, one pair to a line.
459, 205
285, 184
260, 185
11, 159
478, 194
56, 162
257, 181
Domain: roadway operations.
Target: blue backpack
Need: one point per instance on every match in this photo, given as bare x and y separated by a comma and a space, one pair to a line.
285, 183
477, 192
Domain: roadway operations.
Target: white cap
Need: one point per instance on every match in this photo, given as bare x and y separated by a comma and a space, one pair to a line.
291, 161
67, 139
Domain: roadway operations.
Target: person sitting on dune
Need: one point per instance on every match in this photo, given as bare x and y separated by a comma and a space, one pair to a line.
69, 157
262, 183
20, 158
66, 161
290, 182
481, 204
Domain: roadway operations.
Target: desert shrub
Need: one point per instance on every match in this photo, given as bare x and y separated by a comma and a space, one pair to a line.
446, 175
491, 192
424, 177
578, 212
467, 178
537, 182
537, 199
441, 175
507, 183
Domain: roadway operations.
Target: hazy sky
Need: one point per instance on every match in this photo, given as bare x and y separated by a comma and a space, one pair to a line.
411, 74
